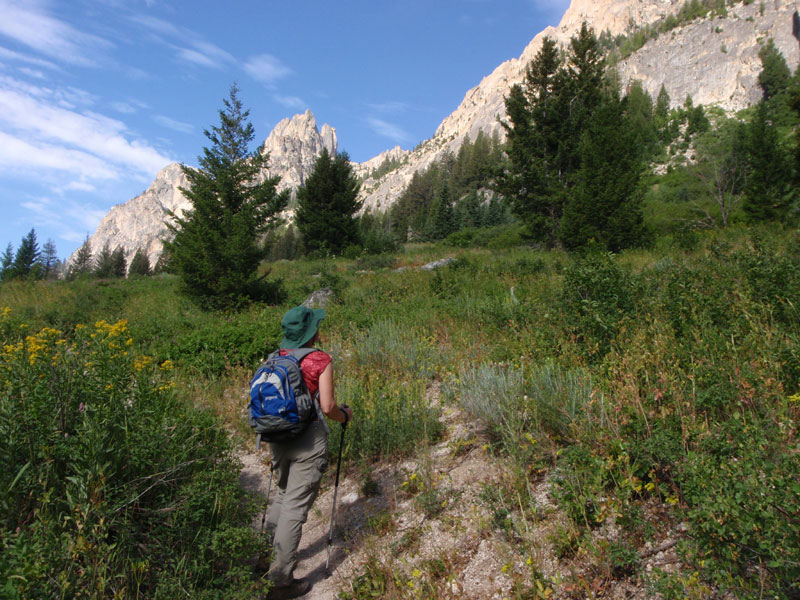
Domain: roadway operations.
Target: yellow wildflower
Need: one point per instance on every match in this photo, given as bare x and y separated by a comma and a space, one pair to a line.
416, 573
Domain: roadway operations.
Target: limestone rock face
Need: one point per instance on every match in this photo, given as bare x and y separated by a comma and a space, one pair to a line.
716, 61
293, 147
141, 221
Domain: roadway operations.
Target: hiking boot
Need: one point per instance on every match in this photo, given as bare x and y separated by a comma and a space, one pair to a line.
296, 588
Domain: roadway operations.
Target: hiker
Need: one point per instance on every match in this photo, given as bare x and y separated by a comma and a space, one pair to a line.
300, 463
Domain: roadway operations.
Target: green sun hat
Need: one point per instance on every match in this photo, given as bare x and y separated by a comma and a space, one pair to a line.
299, 325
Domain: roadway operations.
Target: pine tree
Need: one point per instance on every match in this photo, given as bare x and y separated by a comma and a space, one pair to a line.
27, 257
48, 260
7, 263
768, 193
83, 263
533, 130
119, 266
215, 249
661, 115
140, 264
103, 263
327, 204
441, 222
606, 205
547, 116
775, 75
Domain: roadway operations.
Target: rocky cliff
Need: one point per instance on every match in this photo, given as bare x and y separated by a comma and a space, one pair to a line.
714, 60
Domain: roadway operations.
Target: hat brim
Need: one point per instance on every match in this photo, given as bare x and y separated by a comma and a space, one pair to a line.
311, 330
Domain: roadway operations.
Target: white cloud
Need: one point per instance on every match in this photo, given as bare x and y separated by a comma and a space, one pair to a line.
63, 216
188, 46
30, 25
266, 68
32, 60
389, 130
37, 132
392, 106
173, 124
292, 102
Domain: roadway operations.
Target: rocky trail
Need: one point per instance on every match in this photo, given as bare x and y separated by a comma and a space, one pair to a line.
435, 523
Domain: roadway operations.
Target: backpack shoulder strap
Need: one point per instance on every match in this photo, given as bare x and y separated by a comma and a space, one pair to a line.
301, 353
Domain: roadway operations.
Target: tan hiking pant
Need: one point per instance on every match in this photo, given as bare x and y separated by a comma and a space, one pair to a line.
299, 465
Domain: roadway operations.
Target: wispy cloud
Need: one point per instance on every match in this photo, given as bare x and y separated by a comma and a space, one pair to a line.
173, 124
292, 102
189, 47
389, 130
29, 24
70, 218
391, 107
266, 68
128, 107
38, 131
7, 54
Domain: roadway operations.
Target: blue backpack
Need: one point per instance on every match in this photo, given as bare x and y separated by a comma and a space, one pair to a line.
281, 406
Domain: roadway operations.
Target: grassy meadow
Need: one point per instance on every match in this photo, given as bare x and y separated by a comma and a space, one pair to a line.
667, 377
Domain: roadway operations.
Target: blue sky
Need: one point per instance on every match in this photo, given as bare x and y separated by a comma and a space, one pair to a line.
96, 96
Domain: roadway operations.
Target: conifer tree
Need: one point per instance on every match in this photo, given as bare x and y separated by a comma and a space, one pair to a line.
6, 263
768, 193
119, 266
140, 264
547, 115
83, 262
327, 204
103, 264
441, 222
606, 205
531, 181
215, 249
27, 257
48, 260
775, 75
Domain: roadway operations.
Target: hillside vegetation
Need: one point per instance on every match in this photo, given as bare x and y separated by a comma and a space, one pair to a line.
655, 387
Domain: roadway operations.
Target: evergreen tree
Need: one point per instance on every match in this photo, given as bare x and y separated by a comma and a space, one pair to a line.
531, 181
7, 263
103, 263
215, 249
83, 262
661, 115
48, 260
327, 204
27, 257
119, 266
140, 264
606, 205
775, 75
768, 192
441, 222
547, 116
468, 211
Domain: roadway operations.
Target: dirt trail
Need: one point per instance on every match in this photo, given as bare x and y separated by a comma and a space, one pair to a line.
456, 546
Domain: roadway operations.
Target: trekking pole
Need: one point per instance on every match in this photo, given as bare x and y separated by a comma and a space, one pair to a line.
335, 493
269, 485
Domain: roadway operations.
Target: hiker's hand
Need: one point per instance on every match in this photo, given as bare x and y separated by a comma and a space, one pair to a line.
348, 413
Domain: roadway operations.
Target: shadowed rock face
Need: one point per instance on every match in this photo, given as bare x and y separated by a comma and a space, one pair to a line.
715, 61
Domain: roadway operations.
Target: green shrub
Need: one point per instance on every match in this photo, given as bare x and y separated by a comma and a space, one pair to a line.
112, 482
596, 296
